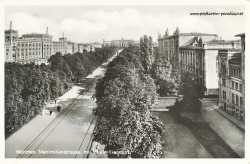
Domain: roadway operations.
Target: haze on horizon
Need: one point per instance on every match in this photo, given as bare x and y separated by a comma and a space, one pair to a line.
85, 24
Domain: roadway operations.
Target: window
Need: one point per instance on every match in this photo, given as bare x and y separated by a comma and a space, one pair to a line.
241, 101
224, 82
237, 100
241, 87
233, 98
224, 95
232, 84
236, 86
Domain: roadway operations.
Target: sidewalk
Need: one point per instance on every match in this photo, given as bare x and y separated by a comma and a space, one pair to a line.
229, 117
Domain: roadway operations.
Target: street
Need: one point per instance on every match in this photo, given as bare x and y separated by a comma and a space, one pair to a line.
64, 134
231, 134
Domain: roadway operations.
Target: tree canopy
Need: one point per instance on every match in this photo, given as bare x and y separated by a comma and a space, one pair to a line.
124, 97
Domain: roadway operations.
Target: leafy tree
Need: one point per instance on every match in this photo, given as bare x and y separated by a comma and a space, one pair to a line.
191, 96
124, 97
163, 75
146, 46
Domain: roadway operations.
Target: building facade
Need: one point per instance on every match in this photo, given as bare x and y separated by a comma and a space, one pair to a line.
120, 43
38, 48
32, 47
97, 45
195, 54
61, 46
232, 81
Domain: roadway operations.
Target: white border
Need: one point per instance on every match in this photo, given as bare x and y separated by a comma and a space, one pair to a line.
3, 3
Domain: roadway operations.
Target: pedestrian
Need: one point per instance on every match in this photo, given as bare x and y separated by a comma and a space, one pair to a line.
58, 108
55, 101
50, 112
97, 149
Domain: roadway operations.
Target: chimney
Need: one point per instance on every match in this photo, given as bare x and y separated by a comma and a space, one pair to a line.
47, 30
10, 25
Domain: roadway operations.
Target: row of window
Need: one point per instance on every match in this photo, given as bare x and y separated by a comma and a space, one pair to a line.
236, 86
237, 100
235, 71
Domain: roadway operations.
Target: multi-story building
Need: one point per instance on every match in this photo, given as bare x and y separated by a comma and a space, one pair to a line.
232, 80
88, 47
38, 48
28, 48
97, 45
196, 54
61, 46
10, 44
74, 47
80, 48
120, 43
46, 43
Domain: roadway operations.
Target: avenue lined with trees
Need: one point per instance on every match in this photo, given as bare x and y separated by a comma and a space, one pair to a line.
29, 86
124, 97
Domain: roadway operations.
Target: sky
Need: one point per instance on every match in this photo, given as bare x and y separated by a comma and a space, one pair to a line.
85, 24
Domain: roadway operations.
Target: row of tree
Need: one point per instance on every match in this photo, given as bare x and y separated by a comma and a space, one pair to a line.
29, 86
124, 97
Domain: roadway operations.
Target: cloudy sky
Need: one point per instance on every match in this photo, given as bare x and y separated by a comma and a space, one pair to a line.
94, 23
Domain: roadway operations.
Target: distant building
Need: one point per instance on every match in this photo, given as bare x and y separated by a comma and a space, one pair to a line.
195, 54
74, 47
97, 45
232, 80
38, 48
120, 43
80, 48
61, 46
89, 47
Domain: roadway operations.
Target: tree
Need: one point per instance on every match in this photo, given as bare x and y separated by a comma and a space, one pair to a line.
191, 94
124, 97
28, 86
146, 46
162, 73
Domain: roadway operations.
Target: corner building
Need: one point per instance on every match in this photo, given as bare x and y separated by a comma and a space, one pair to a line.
232, 81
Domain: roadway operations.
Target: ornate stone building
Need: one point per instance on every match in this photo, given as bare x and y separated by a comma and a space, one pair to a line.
232, 80
196, 54
37, 47
32, 47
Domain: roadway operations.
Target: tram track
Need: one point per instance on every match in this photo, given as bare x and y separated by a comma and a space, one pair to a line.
44, 134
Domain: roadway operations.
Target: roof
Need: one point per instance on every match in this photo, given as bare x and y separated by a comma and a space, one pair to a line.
241, 35
8, 31
197, 34
214, 41
189, 34
188, 43
36, 35
97, 43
